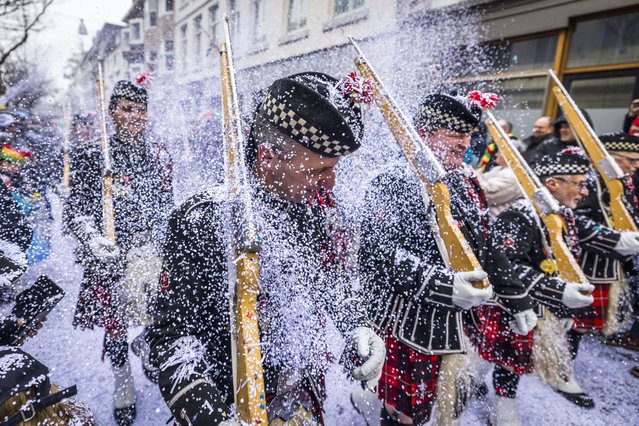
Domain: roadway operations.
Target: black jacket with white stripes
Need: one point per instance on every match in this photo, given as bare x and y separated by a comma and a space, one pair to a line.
520, 235
405, 280
599, 267
190, 337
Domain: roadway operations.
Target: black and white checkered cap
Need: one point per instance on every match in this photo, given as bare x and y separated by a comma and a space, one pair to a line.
309, 108
290, 121
126, 90
561, 163
448, 112
620, 142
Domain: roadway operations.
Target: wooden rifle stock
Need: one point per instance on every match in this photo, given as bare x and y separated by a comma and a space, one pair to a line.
107, 176
603, 162
250, 397
546, 206
427, 168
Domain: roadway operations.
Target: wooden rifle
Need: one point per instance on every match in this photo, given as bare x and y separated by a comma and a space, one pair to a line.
108, 216
250, 397
608, 169
425, 165
545, 204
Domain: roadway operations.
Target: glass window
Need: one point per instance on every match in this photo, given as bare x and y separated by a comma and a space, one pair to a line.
153, 12
343, 6
168, 5
234, 21
606, 99
536, 54
613, 40
213, 22
197, 27
258, 29
136, 31
296, 14
168, 54
183, 46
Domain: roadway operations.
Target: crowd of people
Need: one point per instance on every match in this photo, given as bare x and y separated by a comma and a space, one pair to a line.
408, 325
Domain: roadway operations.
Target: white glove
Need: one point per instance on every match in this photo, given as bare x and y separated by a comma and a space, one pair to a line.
465, 295
524, 322
371, 349
628, 244
573, 296
103, 249
566, 323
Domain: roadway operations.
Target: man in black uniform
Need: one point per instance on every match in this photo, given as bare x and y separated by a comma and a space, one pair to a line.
602, 272
506, 325
142, 199
299, 132
414, 298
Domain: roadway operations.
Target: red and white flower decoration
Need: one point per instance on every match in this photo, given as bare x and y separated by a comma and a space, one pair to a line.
143, 79
482, 100
356, 88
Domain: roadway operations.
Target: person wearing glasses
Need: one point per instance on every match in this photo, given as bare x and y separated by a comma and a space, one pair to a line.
505, 327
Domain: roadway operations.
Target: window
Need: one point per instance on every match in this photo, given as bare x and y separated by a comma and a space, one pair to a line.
213, 20
168, 5
153, 55
259, 34
343, 6
234, 20
184, 45
168, 54
612, 40
126, 37
197, 29
153, 13
136, 32
296, 15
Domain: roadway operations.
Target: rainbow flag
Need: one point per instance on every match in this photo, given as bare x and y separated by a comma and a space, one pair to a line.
13, 155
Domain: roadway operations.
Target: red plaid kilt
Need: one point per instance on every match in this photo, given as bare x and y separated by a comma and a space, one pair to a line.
95, 303
497, 343
593, 317
409, 380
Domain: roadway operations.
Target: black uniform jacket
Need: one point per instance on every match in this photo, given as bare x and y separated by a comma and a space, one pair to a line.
190, 337
605, 267
404, 277
520, 235
142, 190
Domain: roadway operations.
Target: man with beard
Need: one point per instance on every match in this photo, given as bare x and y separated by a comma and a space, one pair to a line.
142, 199
306, 123
413, 297
542, 132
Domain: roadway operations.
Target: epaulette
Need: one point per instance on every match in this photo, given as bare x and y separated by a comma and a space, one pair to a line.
214, 196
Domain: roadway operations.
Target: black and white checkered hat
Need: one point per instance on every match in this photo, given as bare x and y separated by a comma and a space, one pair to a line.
566, 162
312, 110
126, 90
620, 142
448, 112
